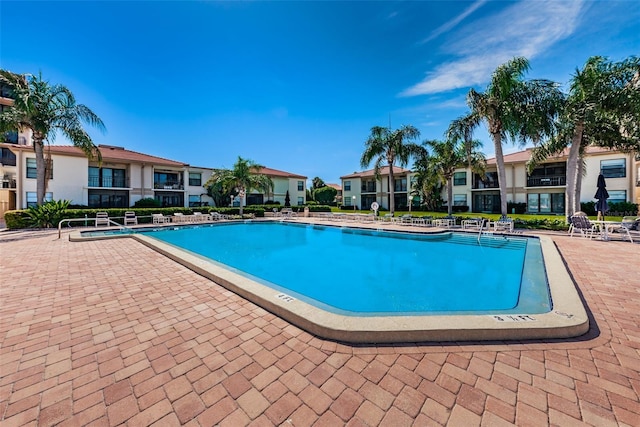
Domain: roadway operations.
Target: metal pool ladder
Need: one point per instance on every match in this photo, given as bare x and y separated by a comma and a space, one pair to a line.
487, 233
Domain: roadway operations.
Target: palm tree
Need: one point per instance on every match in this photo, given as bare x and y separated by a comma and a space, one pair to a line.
390, 147
245, 176
514, 108
427, 184
46, 109
448, 155
601, 108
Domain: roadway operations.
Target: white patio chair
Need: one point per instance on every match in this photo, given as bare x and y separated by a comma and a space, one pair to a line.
130, 218
102, 218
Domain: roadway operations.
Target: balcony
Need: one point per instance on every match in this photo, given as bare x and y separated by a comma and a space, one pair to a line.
546, 181
485, 185
168, 185
8, 181
8, 160
107, 182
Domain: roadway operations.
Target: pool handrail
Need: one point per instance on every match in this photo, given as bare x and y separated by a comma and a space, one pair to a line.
109, 220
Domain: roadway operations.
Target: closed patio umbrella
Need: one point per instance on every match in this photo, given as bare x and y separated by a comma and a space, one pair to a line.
601, 198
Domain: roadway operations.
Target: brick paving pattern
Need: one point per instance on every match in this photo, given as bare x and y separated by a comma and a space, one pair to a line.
111, 333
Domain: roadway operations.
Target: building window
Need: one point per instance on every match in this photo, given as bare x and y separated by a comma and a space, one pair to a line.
108, 199
195, 179
460, 178
347, 186
194, 201
300, 201
615, 168
167, 181
300, 185
32, 170
400, 184
545, 202
617, 196
368, 186
107, 177
32, 198
167, 200
459, 200
7, 157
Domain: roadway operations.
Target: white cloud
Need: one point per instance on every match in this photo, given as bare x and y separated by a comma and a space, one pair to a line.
455, 21
523, 29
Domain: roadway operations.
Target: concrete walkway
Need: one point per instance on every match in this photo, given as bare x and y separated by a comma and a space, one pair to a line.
112, 333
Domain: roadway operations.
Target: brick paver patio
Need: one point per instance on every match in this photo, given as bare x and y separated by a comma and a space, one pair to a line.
112, 333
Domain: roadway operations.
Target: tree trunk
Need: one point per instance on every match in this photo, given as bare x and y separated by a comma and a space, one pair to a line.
392, 185
450, 195
572, 171
577, 206
41, 175
502, 176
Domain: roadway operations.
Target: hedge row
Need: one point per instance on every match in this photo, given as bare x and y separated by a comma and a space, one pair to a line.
20, 219
311, 207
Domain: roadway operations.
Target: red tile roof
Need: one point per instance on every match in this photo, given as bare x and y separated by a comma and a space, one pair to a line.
112, 153
525, 155
276, 172
335, 186
120, 154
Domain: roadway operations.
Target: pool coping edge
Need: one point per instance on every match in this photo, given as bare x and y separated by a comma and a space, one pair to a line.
567, 319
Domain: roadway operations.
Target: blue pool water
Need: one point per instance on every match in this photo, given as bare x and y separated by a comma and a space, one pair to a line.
369, 272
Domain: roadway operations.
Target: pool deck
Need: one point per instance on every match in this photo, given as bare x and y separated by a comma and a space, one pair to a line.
114, 333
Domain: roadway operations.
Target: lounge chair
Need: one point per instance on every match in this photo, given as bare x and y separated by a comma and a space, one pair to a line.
178, 217
583, 225
217, 216
503, 224
631, 222
130, 218
422, 220
102, 218
405, 219
387, 218
579, 213
160, 219
628, 223
472, 224
200, 217
444, 222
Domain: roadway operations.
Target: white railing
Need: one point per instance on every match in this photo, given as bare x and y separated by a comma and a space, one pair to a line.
109, 220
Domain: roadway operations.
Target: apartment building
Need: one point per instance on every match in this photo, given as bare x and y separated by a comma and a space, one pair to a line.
543, 191
283, 183
361, 189
123, 178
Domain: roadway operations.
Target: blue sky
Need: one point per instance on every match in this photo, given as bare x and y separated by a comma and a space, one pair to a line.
295, 86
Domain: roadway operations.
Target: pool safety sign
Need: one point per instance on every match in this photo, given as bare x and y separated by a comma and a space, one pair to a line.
514, 318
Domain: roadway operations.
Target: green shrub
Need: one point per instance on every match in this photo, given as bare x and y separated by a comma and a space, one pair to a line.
16, 219
48, 214
623, 209
148, 202
520, 208
589, 208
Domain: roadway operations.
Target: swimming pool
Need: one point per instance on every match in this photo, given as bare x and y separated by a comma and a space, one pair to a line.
369, 272
566, 317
